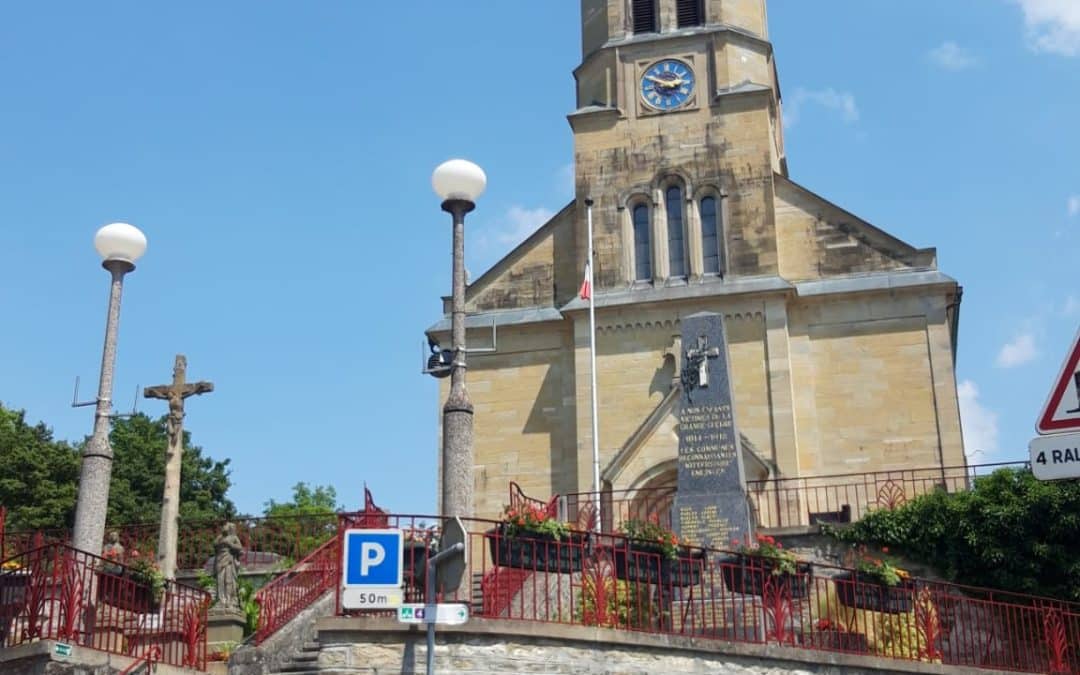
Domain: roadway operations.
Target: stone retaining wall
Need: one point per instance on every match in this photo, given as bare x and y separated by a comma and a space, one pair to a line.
379, 646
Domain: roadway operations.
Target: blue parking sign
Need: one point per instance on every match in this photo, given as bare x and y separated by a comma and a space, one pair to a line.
372, 558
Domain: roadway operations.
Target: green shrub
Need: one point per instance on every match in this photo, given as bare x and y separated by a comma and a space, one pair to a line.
1010, 531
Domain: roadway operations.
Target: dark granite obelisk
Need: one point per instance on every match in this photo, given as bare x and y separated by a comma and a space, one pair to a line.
710, 503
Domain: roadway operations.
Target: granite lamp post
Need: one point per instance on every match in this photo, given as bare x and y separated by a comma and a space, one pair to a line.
119, 245
458, 183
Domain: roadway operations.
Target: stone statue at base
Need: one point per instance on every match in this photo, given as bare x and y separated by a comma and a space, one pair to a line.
227, 550
113, 551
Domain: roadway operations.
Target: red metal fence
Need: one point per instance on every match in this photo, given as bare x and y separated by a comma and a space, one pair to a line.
591, 579
290, 593
787, 502
55, 592
273, 543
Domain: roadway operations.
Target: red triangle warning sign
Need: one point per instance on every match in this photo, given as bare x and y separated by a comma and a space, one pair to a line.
1062, 409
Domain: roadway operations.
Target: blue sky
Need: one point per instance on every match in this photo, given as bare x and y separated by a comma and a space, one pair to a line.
278, 156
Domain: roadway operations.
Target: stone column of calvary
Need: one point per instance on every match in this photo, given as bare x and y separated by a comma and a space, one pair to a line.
175, 394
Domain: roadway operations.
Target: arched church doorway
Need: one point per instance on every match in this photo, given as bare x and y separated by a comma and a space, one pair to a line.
655, 498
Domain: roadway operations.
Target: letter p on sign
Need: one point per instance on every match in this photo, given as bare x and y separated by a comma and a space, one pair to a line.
371, 555
372, 558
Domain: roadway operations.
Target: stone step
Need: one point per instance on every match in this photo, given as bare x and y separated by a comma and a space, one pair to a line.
306, 657
311, 647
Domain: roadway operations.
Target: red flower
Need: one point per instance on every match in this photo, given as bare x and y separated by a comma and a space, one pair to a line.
884, 549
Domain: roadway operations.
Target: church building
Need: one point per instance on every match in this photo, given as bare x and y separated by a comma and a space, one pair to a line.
841, 337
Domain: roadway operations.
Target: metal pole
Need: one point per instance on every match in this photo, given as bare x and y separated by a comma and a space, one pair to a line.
96, 471
430, 609
592, 368
457, 447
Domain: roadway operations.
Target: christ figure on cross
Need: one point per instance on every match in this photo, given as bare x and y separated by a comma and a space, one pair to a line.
700, 356
175, 394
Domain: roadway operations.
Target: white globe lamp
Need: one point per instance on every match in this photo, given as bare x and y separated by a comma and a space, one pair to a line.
120, 242
458, 179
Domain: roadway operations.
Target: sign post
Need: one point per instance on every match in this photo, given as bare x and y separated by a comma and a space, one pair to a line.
371, 570
451, 560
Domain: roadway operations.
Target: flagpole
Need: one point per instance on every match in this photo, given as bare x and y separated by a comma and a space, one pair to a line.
592, 365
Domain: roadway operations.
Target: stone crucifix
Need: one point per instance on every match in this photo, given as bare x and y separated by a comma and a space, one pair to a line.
700, 356
175, 394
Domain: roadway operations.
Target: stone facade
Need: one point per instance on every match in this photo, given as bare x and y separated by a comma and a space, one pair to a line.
841, 337
377, 646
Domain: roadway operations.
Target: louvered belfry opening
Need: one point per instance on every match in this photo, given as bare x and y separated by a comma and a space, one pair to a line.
689, 13
644, 16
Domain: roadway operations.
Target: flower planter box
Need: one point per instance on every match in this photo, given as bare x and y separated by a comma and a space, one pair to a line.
864, 592
13, 587
537, 552
750, 574
840, 640
648, 564
125, 593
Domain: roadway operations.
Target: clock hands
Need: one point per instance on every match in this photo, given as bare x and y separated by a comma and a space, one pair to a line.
666, 84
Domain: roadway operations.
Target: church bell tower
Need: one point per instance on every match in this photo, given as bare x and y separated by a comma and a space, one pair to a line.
677, 137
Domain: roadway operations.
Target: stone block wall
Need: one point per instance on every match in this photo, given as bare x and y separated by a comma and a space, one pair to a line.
382, 646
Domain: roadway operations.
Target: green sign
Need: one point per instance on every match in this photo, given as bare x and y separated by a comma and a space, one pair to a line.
62, 649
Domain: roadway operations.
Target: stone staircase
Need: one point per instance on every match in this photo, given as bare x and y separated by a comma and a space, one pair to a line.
303, 662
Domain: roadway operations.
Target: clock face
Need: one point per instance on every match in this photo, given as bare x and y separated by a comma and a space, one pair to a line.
667, 84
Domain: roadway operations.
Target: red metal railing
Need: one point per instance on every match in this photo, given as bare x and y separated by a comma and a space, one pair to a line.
284, 597
147, 659
55, 592
786, 502
289, 594
268, 542
592, 579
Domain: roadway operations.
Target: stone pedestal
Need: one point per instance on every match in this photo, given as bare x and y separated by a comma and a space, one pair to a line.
223, 627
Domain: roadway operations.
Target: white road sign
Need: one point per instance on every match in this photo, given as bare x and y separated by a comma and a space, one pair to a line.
1055, 457
1062, 410
446, 613
371, 569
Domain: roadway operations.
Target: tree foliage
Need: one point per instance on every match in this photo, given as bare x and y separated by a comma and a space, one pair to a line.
1010, 531
305, 501
301, 524
138, 478
39, 475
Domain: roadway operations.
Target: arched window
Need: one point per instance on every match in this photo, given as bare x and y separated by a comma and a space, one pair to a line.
675, 239
712, 238
642, 249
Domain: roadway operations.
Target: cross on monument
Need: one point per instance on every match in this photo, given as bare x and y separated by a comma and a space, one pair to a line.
175, 394
700, 356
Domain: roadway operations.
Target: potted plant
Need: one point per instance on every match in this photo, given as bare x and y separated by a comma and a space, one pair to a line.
532, 539
830, 634
876, 584
763, 563
138, 586
654, 554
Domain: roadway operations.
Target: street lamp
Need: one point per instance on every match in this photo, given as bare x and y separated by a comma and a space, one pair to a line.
119, 245
458, 183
